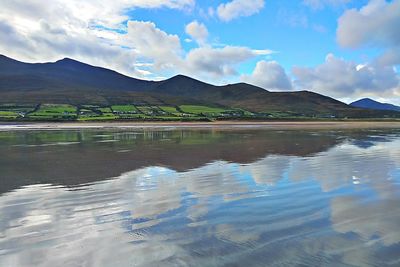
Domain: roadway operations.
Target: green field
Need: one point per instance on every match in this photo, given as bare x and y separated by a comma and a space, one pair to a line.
54, 111
66, 112
172, 111
200, 109
105, 110
97, 118
12, 111
8, 114
87, 113
124, 109
169, 109
134, 116
214, 111
152, 110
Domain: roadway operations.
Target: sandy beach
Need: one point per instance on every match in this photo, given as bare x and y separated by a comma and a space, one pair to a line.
199, 125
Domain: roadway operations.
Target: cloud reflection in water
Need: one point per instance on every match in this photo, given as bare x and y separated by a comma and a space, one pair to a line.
277, 210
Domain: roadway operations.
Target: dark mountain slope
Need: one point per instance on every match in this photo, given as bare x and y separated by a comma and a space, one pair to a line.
297, 102
70, 81
61, 75
372, 104
188, 87
249, 97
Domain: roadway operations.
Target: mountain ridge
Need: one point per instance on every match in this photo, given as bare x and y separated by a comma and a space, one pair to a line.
369, 103
71, 81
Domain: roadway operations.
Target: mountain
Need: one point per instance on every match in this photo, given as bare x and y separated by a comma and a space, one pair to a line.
74, 82
62, 73
372, 104
69, 81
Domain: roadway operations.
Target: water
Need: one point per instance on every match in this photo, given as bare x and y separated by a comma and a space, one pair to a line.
200, 198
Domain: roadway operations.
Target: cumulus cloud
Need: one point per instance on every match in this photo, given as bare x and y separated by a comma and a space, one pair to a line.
88, 31
74, 13
152, 43
376, 24
378, 17
197, 31
389, 57
239, 8
269, 75
219, 62
100, 33
340, 78
49, 44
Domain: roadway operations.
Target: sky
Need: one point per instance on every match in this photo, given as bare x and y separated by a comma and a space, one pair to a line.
346, 49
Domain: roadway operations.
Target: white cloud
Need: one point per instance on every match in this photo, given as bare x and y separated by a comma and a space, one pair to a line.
269, 75
217, 62
239, 8
152, 43
50, 44
340, 78
197, 31
389, 57
376, 24
263, 52
81, 13
35, 31
100, 33
165, 51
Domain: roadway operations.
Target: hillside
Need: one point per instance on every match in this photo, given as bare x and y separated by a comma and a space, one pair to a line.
75, 83
372, 104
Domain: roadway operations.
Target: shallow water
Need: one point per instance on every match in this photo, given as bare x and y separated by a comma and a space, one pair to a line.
200, 198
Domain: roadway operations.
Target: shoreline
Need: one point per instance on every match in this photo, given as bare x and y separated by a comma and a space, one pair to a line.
201, 125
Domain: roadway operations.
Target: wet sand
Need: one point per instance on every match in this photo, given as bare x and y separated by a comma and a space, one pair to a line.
199, 125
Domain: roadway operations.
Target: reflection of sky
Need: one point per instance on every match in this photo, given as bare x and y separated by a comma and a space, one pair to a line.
340, 205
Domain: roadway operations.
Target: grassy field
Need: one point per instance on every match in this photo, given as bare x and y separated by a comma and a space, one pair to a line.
124, 109
54, 111
171, 110
51, 112
201, 109
214, 111
8, 114
105, 110
13, 111
66, 112
133, 117
152, 110
97, 118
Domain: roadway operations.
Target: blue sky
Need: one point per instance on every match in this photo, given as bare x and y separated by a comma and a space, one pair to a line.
299, 34
346, 49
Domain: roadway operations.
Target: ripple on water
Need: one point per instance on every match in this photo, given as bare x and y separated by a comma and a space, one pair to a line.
336, 207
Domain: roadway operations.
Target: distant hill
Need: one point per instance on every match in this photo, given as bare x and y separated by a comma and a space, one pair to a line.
372, 104
73, 82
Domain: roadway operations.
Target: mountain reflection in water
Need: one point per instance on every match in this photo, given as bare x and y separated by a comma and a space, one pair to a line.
200, 198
